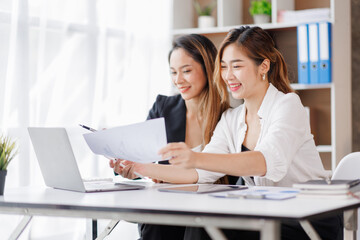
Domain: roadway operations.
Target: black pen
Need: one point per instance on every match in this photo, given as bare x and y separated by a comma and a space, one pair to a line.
122, 165
88, 128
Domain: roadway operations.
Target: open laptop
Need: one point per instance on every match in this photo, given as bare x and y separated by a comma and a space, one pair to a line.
58, 164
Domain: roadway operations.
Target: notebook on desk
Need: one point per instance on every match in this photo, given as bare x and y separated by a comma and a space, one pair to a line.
58, 164
328, 185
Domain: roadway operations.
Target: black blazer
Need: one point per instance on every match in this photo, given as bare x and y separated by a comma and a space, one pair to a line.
173, 109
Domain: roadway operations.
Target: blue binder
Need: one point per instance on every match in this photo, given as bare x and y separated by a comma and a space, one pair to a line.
314, 53
303, 54
325, 52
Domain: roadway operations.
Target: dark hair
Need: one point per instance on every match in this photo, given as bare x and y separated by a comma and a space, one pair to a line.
258, 45
203, 51
199, 47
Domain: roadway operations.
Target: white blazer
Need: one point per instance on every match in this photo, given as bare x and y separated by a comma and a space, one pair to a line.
285, 141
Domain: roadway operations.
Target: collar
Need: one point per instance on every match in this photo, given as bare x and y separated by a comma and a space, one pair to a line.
268, 101
265, 106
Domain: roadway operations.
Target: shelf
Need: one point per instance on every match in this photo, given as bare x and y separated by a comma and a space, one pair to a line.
214, 30
324, 148
297, 86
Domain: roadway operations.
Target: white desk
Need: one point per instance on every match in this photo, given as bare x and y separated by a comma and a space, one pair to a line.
152, 206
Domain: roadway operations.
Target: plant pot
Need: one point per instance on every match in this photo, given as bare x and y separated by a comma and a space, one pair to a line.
2, 181
206, 22
261, 18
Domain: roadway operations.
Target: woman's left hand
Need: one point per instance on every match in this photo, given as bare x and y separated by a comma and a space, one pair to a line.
179, 154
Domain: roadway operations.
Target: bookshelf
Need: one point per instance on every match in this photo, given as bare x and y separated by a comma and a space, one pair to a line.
329, 104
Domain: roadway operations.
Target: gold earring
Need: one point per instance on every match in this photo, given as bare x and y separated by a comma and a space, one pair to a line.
263, 77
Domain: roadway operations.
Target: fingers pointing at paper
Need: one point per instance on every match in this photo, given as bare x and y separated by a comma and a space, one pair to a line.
179, 154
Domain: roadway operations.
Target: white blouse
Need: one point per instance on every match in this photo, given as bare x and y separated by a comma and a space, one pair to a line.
285, 141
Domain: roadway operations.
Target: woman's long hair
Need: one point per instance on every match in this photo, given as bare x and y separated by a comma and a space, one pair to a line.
203, 51
258, 45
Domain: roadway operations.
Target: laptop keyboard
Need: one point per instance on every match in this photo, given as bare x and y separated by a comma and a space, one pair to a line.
96, 179
101, 185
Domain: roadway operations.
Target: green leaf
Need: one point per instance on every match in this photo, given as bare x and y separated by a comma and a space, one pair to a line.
2, 160
7, 151
260, 7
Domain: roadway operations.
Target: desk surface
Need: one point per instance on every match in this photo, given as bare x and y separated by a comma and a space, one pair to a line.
150, 200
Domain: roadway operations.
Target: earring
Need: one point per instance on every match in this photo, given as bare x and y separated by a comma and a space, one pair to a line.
263, 77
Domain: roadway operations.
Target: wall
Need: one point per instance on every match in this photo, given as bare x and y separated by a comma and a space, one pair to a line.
355, 40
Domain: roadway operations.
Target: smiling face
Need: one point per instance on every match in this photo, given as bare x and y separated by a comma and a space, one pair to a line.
240, 73
187, 74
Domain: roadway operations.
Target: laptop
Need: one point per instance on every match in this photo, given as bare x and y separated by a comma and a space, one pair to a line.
58, 164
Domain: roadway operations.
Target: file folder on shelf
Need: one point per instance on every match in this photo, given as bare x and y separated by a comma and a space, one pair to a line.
314, 53
325, 52
303, 54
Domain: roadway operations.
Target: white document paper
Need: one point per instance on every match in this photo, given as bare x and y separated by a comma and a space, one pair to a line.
138, 142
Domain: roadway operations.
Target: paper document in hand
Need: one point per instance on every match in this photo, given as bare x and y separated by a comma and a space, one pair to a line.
138, 142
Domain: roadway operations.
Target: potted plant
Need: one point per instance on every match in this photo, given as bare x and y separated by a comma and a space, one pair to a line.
205, 19
261, 11
7, 153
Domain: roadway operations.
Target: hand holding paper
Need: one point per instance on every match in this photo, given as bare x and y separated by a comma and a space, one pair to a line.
138, 142
119, 165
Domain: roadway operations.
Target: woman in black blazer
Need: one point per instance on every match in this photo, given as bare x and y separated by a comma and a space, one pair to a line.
190, 117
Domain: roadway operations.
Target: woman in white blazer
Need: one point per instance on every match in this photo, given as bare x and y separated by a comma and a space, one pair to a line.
272, 127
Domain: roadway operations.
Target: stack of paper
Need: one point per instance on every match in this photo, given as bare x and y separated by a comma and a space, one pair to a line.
331, 188
304, 16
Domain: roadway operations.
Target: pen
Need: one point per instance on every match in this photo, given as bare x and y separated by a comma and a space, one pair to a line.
122, 165
88, 128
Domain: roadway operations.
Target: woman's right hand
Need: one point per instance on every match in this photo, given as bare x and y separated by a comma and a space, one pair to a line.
124, 168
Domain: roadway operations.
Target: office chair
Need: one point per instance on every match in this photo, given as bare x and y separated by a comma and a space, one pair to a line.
349, 168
